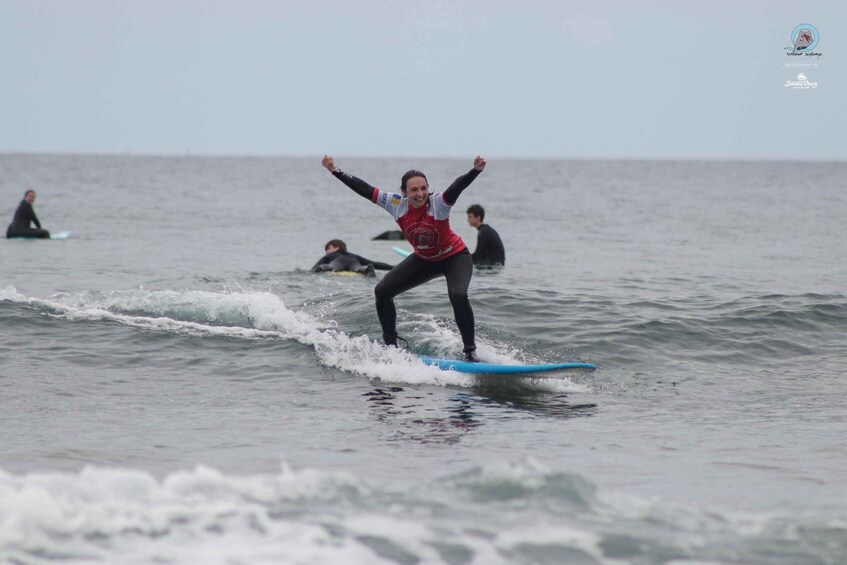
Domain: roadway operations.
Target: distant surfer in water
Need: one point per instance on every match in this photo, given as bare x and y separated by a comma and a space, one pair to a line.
24, 216
489, 247
337, 258
424, 219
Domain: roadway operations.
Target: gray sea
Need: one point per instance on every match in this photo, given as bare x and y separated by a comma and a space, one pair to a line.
177, 388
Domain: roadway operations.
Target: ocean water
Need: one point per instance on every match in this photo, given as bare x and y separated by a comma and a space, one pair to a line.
176, 387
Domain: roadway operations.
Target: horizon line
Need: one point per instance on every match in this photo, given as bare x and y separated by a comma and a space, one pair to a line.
224, 155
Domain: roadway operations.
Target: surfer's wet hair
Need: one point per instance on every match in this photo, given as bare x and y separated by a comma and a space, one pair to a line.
408, 175
477, 211
336, 243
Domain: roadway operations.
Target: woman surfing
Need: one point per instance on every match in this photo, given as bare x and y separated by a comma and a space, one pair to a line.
424, 218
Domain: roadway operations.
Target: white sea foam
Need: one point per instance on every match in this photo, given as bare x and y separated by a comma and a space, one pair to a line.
205, 516
199, 516
266, 312
220, 312
11, 294
316, 516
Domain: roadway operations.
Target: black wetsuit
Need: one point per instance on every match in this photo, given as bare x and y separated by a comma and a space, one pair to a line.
19, 227
346, 261
489, 247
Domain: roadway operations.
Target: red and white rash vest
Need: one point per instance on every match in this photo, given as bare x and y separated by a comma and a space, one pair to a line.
427, 228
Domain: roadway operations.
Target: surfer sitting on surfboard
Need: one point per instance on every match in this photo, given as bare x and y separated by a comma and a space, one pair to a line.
489, 246
439, 251
337, 259
24, 216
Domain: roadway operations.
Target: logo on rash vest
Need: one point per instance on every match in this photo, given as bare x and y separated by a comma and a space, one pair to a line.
386, 198
423, 236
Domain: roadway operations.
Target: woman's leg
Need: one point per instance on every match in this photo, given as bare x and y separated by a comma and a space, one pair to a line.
458, 269
410, 273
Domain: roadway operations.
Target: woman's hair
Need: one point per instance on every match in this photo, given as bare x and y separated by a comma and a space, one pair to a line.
27, 192
408, 175
336, 243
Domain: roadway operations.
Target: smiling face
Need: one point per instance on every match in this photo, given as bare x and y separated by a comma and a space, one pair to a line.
417, 191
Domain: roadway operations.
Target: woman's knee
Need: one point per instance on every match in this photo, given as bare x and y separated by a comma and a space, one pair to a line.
381, 291
458, 296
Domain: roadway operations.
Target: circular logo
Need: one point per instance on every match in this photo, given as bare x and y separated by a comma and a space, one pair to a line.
805, 37
423, 236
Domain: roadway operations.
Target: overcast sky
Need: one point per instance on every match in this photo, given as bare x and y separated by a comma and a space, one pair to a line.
504, 78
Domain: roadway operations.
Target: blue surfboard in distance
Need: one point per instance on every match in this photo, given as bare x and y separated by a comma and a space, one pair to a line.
498, 369
401, 252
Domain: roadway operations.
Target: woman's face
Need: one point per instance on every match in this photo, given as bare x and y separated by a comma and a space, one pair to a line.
417, 191
30, 196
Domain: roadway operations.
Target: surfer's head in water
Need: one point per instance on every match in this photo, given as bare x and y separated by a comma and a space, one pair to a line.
476, 214
334, 245
414, 186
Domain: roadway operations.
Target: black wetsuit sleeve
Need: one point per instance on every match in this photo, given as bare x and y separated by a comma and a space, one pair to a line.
322, 261
358, 186
454, 190
377, 265
33, 217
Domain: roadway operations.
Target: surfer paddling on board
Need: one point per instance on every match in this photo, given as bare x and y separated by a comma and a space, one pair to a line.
424, 219
338, 259
24, 216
